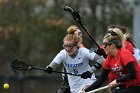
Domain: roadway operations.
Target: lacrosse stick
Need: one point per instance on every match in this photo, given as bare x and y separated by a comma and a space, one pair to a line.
19, 65
77, 18
98, 89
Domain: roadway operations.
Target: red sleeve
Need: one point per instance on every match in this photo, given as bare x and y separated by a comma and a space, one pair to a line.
129, 46
127, 57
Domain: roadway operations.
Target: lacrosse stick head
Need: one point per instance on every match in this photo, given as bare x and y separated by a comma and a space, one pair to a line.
19, 65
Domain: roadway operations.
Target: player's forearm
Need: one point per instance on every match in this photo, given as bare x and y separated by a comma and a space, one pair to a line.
131, 73
98, 63
95, 85
53, 65
99, 81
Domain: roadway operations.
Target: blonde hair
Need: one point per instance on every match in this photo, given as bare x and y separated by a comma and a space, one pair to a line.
72, 37
119, 34
122, 28
113, 40
72, 29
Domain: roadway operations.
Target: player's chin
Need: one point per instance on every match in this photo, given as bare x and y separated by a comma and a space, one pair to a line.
70, 53
107, 53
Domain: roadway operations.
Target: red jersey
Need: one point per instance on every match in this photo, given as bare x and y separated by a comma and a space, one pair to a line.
129, 46
117, 67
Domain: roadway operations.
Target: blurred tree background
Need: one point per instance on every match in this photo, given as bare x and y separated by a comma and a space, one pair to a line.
34, 30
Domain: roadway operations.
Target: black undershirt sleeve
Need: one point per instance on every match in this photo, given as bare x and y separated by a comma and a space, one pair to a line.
131, 73
99, 81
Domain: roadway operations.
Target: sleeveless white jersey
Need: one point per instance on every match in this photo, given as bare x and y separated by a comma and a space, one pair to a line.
76, 65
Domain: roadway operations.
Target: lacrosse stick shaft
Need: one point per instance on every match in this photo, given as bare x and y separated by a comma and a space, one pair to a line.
90, 36
37, 68
67, 73
98, 89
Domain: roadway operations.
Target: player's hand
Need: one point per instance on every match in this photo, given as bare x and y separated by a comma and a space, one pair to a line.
114, 83
48, 69
101, 52
86, 75
82, 91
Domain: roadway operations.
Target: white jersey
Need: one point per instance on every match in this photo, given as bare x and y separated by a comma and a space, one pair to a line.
137, 54
76, 65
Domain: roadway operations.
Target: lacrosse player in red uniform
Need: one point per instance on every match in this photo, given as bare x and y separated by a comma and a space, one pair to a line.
120, 67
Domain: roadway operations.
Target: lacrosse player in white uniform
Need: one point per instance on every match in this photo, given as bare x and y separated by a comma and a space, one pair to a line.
76, 61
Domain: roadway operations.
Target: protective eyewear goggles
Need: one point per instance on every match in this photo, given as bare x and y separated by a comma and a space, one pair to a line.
68, 46
105, 44
112, 32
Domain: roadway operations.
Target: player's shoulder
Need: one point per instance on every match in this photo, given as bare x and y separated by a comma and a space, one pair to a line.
83, 49
124, 51
63, 51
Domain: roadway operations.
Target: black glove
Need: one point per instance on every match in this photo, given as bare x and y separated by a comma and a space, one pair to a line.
48, 70
86, 75
100, 52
